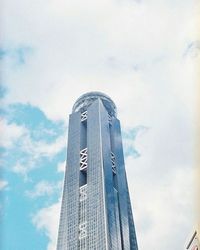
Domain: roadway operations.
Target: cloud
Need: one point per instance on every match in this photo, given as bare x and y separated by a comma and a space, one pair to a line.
43, 188
3, 184
156, 204
160, 185
77, 59
193, 49
23, 170
34, 151
10, 133
42, 149
61, 166
47, 220
26, 148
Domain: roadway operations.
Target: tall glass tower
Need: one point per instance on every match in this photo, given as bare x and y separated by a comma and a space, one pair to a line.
96, 210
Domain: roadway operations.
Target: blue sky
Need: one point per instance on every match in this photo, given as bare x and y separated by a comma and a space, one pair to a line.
143, 54
32, 179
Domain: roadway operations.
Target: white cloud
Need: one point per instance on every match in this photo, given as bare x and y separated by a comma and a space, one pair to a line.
47, 220
85, 52
34, 150
162, 191
44, 188
45, 149
61, 166
3, 184
41, 148
21, 169
9, 133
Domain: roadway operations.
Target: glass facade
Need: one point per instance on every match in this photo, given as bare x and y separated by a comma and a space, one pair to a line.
96, 211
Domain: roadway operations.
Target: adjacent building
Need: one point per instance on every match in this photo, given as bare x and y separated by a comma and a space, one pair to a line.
96, 210
194, 243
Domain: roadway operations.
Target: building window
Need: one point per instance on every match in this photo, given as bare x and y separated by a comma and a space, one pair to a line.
83, 159
83, 230
113, 162
84, 116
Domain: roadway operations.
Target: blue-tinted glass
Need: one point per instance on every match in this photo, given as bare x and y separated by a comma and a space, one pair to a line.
96, 211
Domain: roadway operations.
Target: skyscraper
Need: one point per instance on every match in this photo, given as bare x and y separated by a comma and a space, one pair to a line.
96, 210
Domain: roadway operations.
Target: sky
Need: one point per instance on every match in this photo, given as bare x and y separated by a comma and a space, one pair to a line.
143, 54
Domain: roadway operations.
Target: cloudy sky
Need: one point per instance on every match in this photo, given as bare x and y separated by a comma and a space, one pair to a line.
143, 54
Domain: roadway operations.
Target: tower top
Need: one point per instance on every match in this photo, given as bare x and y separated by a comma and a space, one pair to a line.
85, 100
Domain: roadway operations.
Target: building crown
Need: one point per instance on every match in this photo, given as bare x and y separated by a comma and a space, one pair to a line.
85, 100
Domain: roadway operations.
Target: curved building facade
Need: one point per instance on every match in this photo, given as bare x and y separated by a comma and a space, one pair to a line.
96, 211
